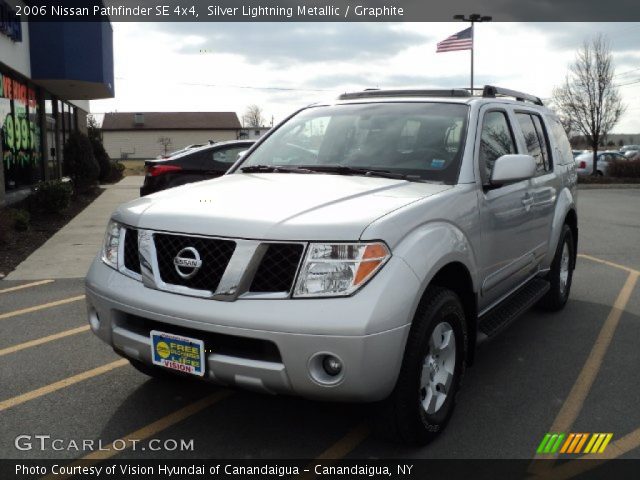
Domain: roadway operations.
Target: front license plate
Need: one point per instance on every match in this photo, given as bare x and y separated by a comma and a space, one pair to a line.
176, 352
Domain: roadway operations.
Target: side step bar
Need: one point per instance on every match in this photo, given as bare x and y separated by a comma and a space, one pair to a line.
511, 308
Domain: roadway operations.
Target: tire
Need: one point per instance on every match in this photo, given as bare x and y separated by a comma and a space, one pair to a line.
158, 373
413, 414
599, 173
561, 274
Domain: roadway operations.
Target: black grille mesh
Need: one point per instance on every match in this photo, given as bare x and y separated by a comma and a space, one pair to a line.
277, 270
214, 253
131, 257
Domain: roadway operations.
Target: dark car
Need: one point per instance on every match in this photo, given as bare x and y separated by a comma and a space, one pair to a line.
193, 165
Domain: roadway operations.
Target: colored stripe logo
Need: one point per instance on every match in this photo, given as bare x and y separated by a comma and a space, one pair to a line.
573, 443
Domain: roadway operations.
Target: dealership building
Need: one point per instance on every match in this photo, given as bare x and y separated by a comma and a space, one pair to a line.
48, 73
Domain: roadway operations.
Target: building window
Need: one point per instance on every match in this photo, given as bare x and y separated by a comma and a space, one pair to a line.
19, 133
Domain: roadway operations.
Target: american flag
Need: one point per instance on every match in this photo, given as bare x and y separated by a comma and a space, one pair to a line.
460, 41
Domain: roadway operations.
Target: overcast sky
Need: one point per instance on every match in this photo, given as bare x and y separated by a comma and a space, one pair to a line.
283, 66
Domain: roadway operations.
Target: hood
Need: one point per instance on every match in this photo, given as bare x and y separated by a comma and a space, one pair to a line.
275, 206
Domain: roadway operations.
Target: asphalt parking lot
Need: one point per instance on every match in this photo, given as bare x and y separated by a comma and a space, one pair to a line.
572, 371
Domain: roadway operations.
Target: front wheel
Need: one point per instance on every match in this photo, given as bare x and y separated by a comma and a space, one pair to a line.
561, 273
423, 399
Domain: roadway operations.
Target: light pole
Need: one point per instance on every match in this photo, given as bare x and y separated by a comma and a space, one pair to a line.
473, 18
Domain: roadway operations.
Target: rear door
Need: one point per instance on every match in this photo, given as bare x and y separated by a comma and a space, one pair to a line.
543, 187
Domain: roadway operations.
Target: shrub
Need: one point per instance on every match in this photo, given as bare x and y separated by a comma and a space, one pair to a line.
52, 196
80, 162
20, 219
104, 162
624, 168
116, 172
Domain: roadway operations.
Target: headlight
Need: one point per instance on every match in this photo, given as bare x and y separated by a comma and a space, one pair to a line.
339, 269
111, 244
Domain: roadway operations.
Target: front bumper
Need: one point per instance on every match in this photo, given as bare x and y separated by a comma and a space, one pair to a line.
367, 332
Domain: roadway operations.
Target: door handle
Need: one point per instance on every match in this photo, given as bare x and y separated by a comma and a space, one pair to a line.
527, 202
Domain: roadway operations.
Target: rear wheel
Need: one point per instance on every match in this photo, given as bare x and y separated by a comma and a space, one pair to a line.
423, 399
561, 273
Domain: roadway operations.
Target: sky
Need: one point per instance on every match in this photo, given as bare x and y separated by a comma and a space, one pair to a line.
284, 66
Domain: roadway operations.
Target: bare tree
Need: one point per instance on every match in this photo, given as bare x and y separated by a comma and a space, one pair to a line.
165, 142
253, 116
589, 99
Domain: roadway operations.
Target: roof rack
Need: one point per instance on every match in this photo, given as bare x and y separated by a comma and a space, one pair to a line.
490, 91
369, 93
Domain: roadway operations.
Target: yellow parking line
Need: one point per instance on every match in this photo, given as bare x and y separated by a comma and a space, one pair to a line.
146, 432
66, 382
26, 285
41, 307
575, 400
611, 264
40, 341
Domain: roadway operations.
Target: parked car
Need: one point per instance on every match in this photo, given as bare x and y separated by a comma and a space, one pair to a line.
584, 162
184, 149
192, 165
357, 253
629, 148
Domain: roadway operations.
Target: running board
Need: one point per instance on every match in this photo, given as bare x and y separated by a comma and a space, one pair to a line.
512, 307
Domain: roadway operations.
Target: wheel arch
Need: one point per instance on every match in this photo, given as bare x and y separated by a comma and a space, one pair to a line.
456, 277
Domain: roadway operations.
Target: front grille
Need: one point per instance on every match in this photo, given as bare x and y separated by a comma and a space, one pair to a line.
214, 253
131, 257
277, 271
243, 347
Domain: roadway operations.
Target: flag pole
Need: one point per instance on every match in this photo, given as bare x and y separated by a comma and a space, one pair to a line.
473, 42
473, 18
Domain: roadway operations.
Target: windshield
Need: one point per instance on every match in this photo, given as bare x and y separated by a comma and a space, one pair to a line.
420, 140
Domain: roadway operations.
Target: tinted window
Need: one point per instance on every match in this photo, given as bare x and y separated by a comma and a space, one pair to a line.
228, 155
417, 139
534, 139
544, 141
496, 140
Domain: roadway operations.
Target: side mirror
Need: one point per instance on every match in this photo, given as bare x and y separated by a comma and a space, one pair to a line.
513, 168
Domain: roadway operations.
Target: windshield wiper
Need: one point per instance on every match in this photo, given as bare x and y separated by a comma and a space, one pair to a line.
274, 169
339, 169
367, 172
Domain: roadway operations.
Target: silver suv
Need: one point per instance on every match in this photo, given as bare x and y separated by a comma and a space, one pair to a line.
359, 252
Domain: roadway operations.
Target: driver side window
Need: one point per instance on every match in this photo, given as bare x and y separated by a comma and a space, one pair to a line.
496, 139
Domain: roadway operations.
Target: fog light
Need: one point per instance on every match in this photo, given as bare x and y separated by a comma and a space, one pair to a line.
94, 319
331, 365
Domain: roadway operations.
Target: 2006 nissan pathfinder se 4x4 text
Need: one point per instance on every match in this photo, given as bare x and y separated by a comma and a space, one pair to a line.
358, 252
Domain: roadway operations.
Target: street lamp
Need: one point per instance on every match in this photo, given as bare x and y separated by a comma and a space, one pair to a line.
473, 18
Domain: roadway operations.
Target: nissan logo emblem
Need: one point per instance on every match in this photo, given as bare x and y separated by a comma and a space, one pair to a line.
187, 262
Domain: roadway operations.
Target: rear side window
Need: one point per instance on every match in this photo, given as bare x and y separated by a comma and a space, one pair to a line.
228, 155
496, 140
561, 142
535, 140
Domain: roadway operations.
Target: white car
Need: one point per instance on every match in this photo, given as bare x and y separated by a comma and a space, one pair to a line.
584, 162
